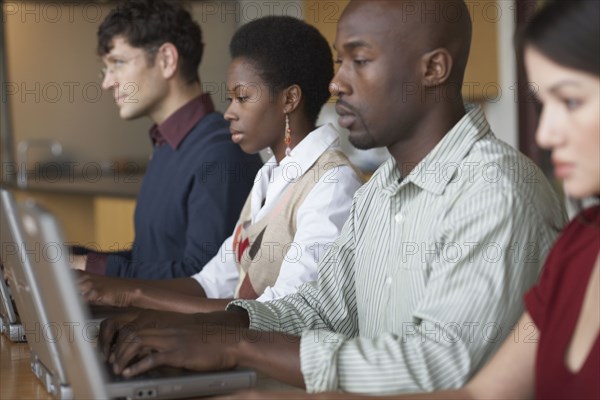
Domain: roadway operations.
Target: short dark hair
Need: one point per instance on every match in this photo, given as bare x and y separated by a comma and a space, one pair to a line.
288, 51
148, 24
567, 32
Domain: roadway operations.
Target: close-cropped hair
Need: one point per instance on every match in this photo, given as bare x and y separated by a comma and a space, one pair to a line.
148, 24
287, 51
567, 32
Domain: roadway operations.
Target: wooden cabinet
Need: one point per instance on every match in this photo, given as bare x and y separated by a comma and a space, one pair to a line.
99, 222
74, 212
113, 222
481, 77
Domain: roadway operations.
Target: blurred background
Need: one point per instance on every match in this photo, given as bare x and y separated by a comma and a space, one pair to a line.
63, 143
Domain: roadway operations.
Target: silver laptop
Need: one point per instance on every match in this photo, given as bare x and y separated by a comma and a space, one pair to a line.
16, 258
10, 325
73, 334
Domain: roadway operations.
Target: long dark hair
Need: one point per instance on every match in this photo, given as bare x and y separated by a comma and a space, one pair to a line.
567, 32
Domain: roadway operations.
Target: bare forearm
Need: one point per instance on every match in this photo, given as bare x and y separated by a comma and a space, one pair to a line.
180, 295
233, 319
188, 286
156, 297
168, 300
274, 354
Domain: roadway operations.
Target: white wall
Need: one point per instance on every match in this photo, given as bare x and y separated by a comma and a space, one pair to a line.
502, 114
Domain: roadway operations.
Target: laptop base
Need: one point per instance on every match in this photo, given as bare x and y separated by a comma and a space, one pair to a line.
209, 384
157, 388
50, 382
14, 332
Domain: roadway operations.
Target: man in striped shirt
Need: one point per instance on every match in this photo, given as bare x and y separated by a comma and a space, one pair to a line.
426, 279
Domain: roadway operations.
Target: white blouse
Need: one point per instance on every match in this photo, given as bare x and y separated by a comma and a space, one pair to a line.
319, 219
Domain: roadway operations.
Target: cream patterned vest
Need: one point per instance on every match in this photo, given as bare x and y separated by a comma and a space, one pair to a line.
260, 248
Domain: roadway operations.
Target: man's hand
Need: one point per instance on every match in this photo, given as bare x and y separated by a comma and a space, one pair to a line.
106, 291
205, 342
118, 329
204, 347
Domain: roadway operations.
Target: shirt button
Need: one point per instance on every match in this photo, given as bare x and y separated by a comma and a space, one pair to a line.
388, 281
399, 218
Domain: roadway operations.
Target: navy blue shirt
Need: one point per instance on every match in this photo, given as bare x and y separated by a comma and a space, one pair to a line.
191, 197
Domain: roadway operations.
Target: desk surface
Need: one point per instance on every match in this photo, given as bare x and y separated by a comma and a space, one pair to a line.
18, 382
16, 379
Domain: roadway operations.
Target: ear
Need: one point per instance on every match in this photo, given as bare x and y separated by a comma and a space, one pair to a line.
437, 67
167, 58
292, 97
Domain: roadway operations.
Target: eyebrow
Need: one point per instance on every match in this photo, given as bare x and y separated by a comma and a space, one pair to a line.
555, 88
112, 57
353, 44
236, 87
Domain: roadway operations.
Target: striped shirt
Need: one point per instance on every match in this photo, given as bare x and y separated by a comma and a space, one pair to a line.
427, 277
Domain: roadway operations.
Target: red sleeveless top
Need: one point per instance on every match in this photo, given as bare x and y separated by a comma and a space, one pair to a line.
555, 304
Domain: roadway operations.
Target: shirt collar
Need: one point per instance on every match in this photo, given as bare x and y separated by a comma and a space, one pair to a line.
306, 153
175, 128
274, 178
438, 167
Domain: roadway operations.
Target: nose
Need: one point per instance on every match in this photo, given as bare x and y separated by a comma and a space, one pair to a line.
108, 81
339, 84
229, 113
548, 134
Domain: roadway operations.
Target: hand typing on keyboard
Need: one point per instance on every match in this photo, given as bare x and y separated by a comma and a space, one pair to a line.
192, 347
206, 342
117, 329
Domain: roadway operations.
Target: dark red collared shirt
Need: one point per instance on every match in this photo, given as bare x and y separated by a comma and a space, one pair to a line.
175, 128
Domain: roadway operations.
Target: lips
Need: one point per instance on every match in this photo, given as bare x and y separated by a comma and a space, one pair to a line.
346, 115
236, 136
120, 99
562, 169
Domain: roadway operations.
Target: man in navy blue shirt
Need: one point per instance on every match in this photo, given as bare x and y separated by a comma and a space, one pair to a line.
197, 179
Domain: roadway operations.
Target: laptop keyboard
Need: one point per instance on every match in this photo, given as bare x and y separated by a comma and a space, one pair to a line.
155, 373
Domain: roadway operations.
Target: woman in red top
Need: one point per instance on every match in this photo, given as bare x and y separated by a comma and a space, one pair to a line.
561, 49
554, 352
